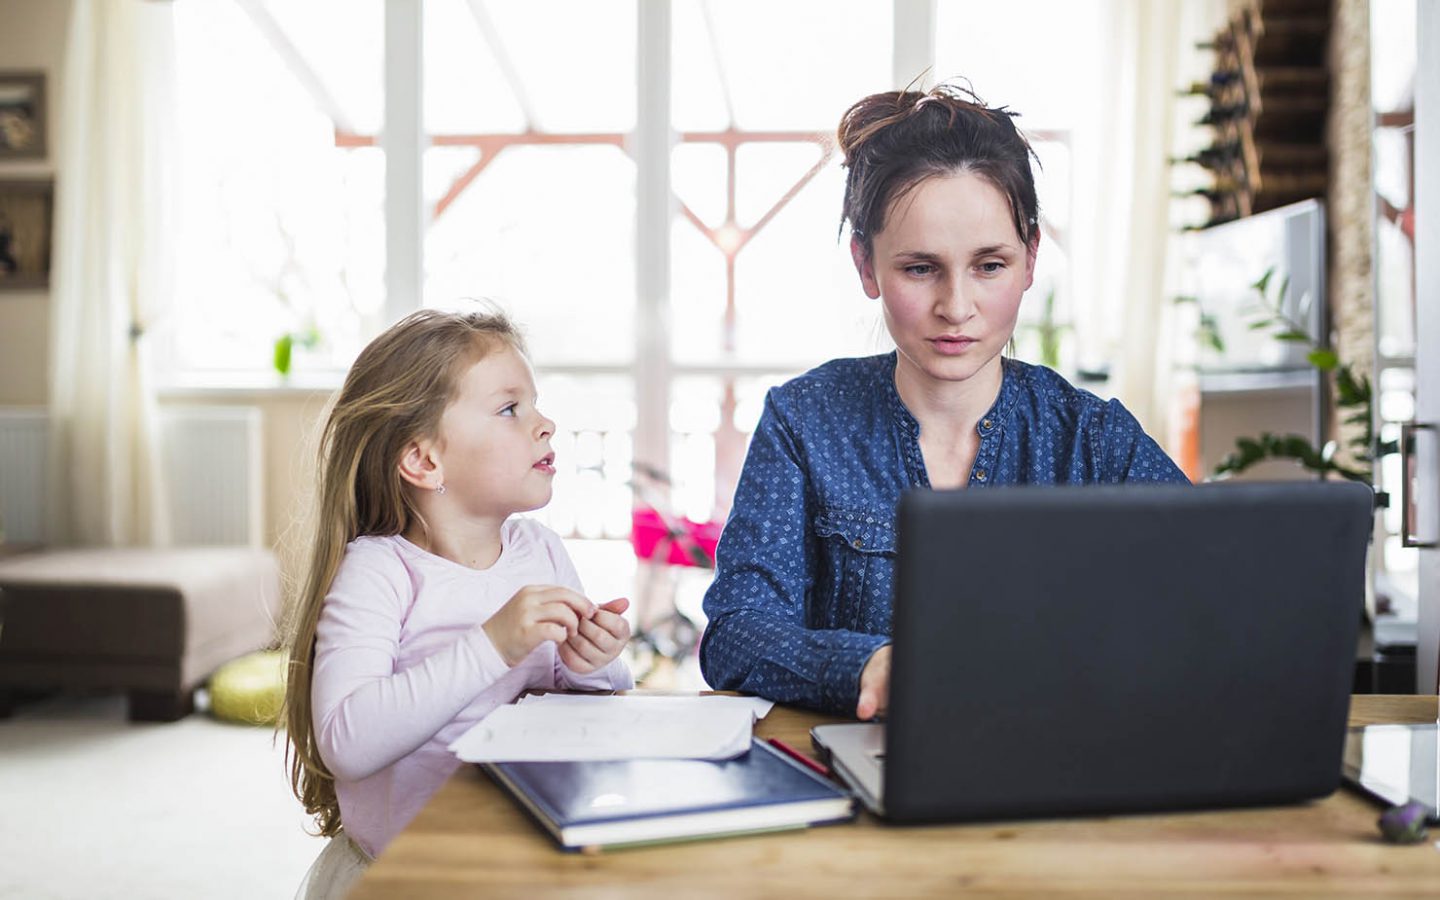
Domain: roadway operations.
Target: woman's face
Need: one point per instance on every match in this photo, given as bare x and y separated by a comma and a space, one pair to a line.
950, 269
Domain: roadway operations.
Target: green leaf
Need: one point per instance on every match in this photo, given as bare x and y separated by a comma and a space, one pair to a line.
281, 360
1364, 476
1264, 280
1185, 298
1250, 451
1324, 360
1209, 334
1351, 389
1261, 323
1294, 336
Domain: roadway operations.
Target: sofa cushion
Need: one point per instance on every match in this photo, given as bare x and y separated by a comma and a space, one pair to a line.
188, 609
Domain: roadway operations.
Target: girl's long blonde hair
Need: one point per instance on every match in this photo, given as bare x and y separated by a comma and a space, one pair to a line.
395, 393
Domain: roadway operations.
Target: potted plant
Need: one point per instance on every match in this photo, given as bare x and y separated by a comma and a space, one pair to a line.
1354, 401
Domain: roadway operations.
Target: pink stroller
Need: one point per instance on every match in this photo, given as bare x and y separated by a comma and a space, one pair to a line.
661, 540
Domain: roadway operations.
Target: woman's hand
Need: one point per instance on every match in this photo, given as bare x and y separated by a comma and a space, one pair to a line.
875, 685
537, 613
598, 640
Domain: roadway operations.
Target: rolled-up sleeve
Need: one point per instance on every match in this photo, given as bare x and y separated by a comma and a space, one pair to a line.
757, 640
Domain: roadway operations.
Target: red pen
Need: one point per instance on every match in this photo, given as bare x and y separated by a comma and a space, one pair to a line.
799, 757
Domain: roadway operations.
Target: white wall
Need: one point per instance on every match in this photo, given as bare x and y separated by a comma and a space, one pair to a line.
32, 36
1427, 343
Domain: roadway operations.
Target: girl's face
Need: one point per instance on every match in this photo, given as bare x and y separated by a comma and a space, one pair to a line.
950, 269
494, 444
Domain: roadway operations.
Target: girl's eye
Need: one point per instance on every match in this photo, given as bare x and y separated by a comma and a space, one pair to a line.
508, 409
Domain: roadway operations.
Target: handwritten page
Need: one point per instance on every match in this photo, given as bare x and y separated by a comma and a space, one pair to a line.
557, 727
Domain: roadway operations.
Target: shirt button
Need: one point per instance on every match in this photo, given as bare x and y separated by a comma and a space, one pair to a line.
986, 424
857, 543
979, 474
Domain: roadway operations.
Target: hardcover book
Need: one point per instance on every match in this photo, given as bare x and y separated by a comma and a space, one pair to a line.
639, 801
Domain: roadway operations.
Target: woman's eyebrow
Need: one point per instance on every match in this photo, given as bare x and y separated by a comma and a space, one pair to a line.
993, 250
1006, 250
918, 255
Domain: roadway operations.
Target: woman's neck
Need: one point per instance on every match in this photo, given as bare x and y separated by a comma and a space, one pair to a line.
948, 410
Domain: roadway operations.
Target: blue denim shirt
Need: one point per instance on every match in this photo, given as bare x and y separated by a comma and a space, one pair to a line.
802, 589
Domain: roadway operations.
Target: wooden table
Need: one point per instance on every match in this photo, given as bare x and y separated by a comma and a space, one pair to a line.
473, 841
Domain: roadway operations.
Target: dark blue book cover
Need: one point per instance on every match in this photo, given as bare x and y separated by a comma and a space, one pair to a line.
598, 804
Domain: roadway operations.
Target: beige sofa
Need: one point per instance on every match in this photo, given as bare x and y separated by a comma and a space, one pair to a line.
153, 623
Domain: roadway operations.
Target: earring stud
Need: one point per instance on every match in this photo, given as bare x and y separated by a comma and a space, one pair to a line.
440, 488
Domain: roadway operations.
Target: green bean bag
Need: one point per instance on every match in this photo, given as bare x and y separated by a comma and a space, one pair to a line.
249, 690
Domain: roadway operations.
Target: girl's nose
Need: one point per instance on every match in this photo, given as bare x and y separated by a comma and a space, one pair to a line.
547, 427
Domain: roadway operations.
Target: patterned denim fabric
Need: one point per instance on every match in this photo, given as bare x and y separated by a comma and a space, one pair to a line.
802, 592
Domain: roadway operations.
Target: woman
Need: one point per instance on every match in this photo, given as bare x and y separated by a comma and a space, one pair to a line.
944, 225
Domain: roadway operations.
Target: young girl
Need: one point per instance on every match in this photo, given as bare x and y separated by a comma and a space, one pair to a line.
944, 233
426, 606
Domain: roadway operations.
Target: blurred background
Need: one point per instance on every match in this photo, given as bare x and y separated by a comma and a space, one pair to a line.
207, 207
650, 187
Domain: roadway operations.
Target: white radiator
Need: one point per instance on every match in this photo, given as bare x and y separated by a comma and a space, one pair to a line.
211, 457
24, 436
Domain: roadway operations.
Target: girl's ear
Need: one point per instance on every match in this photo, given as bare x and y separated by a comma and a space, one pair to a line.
865, 267
420, 465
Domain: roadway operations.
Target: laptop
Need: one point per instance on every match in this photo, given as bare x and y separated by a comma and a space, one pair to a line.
1111, 649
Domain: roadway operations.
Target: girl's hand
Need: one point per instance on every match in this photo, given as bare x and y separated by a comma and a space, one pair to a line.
874, 685
537, 613
599, 639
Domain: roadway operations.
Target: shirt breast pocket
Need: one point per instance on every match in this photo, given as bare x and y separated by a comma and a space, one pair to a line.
855, 570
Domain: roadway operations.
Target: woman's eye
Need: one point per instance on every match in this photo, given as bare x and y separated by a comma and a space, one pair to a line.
920, 269
991, 268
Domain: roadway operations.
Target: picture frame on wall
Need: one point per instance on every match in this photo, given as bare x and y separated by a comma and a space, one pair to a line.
22, 115
27, 209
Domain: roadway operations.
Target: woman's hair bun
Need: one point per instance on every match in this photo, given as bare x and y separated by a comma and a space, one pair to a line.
875, 113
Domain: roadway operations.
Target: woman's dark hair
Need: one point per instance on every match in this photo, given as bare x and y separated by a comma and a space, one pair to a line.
895, 140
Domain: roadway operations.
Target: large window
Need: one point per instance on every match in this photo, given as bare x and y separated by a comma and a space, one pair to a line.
282, 230
529, 184
530, 189
1062, 117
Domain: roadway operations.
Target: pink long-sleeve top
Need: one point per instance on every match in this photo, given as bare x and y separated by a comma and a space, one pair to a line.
402, 667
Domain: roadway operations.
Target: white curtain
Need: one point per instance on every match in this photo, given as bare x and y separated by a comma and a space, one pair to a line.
112, 272
1121, 262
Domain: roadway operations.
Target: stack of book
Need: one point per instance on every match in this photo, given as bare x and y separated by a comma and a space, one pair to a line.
616, 771
624, 803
